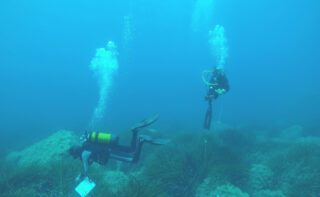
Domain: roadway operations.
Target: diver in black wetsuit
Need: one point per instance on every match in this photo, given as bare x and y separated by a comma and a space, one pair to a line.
218, 85
100, 147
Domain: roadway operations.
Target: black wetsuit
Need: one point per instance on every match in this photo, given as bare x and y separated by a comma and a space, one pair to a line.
218, 82
93, 151
101, 153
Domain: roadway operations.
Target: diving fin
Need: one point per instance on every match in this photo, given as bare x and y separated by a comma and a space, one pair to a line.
148, 139
160, 141
146, 122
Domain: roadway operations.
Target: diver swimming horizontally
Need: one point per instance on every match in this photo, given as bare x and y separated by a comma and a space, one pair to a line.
217, 85
100, 147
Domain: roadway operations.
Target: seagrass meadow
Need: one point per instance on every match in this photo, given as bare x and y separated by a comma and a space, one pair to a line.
227, 162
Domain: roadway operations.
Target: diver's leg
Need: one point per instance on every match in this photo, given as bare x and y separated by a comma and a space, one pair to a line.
208, 117
205, 124
121, 158
127, 149
137, 153
133, 145
125, 157
134, 139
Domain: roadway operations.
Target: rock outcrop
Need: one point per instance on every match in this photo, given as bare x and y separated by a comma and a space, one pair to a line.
45, 151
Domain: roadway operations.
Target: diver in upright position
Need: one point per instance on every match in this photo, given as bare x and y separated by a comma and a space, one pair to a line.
100, 147
218, 85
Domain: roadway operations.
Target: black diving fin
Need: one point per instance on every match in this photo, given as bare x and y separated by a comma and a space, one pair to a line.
146, 122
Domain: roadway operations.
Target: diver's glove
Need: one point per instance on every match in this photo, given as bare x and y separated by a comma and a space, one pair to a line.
220, 91
84, 138
79, 178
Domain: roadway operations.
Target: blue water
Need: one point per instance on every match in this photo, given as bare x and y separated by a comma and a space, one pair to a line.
46, 48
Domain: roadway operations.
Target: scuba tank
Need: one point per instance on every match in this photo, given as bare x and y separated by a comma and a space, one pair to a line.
103, 138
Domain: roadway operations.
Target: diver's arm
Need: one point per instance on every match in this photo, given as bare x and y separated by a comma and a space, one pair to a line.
85, 158
85, 162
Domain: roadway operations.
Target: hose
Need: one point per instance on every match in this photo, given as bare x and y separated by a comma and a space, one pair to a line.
205, 72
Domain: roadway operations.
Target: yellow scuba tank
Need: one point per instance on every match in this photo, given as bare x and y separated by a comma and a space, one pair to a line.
102, 138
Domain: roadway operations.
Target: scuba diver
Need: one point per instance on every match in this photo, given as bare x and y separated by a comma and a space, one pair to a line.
218, 85
100, 147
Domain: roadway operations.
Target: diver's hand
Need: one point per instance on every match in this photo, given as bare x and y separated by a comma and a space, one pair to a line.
220, 91
79, 178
